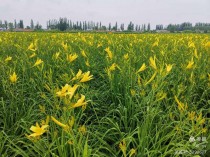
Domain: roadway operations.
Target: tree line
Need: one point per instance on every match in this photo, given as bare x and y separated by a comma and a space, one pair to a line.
188, 26
18, 25
64, 24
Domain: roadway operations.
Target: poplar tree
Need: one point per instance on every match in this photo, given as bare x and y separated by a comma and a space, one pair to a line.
32, 24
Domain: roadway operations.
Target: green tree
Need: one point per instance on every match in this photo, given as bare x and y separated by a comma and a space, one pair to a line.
32, 24
62, 25
11, 26
110, 27
15, 25
144, 27
103, 28
116, 26
122, 27
139, 29
38, 26
130, 26
97, 26
21, 24
70, 25
171, 28
148, 27
136, 28
86, 27
6, 24
80, 25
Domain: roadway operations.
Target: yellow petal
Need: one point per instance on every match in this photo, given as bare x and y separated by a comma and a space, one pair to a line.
153, 63
58, 123
86, 77
142, 68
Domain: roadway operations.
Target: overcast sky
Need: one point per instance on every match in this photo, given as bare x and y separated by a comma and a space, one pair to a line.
122, 11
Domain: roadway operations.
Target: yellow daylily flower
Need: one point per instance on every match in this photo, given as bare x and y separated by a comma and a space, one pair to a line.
168, 67
65, 46
32, 47
38, 131
108, 72
200, 120
86, 77
156, 43
32, 55
142, 68
181, 106
204, 130
207, 45
191, 45
13, 78
113, 67
199, 117
82, 129
78, 75
70, 142
80, 102
57, 55
122, 147
67, 90
109, 53
99, 45
59, 123
162, 52
87, 63
132, 152
72, 57
196, 53
72, 90
8, 59
133, 92
83, 54
161, 95
139, 81
153, 63
38, 61
126, 56
191, 115
190, 64
42, 108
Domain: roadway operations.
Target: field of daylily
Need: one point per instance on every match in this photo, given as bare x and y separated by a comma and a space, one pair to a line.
104, 95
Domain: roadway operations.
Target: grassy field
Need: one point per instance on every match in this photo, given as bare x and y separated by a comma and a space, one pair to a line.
80, 95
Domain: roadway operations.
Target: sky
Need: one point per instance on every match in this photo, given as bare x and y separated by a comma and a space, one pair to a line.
123, 11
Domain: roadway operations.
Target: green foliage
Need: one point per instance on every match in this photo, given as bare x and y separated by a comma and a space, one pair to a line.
130, 110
